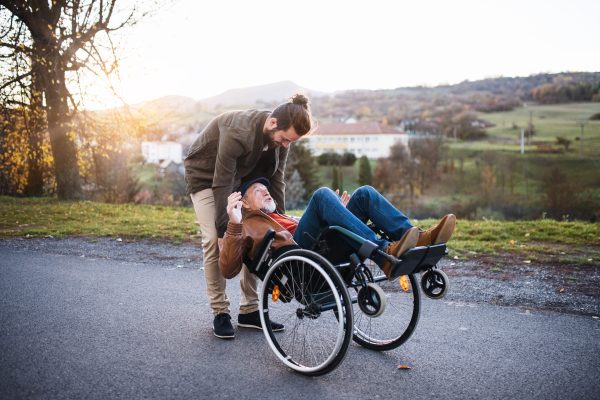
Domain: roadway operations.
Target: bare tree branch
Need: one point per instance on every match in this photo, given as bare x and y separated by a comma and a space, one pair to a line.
17, 79
20, 47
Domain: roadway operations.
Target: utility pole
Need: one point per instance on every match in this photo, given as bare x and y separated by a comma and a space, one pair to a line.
522, 141
582, 124
530, 126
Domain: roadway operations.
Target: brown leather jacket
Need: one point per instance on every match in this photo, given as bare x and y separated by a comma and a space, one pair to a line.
243, 239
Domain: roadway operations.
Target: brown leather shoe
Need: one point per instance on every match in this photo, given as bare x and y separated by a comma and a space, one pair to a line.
440, 233
396, 249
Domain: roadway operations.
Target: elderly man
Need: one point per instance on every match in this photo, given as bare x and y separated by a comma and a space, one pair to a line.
235, 147
326, 208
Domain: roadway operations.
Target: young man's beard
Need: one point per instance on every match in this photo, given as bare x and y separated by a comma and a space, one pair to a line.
269, 208
270, 138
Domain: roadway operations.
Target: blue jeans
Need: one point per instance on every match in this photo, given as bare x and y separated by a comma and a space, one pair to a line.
326, 209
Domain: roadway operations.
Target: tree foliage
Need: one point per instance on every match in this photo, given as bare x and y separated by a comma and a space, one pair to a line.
408, 171
561, 141
488, 182
567, 91
335, 178
48, 50
347, 159
300, 159
365, 176
294, 191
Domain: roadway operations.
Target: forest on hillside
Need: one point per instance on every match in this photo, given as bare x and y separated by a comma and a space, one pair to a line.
487, 95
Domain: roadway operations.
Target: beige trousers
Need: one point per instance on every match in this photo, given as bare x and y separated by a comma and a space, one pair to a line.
204, 206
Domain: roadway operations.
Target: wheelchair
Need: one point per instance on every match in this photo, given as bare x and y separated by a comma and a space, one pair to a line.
333, 293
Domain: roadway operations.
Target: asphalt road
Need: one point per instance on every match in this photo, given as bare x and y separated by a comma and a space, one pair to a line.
83, 327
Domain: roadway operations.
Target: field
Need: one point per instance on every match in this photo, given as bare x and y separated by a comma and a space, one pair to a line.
520, 178
549, 122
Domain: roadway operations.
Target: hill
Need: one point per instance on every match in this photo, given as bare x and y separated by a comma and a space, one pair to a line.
445, 101
272, 92
186, 110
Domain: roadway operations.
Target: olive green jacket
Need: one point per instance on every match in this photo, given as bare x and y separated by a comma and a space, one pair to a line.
227, 153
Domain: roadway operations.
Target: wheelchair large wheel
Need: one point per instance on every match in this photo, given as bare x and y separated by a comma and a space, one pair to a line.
303, 291
399, 319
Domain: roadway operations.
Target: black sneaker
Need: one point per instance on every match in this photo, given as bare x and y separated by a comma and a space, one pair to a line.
222, 326
252, 320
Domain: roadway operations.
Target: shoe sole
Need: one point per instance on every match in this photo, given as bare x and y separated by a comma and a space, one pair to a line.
258, 327
223, 337
411, 237
447, 229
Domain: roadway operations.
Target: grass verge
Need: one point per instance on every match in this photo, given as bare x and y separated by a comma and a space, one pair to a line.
534, 240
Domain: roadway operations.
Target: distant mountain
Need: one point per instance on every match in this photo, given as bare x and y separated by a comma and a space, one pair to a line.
270, 92
169, 103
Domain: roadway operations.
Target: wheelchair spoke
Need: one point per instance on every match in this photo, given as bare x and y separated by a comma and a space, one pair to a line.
398, 320
314, 340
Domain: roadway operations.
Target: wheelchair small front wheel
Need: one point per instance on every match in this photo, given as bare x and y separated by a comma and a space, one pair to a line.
434, 284
304, 291
394, 326
371, 300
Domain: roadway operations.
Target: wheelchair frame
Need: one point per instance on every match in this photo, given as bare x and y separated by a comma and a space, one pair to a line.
312, 287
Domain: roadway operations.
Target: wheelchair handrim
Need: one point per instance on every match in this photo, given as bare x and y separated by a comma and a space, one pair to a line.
276, 350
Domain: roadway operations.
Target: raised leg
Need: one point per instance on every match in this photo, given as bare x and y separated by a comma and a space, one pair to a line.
326, 209
367, 204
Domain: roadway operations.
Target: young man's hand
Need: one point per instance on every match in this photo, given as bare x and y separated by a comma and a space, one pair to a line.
234, 207
345, 198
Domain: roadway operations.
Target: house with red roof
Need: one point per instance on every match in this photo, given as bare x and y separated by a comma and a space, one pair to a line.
371, 139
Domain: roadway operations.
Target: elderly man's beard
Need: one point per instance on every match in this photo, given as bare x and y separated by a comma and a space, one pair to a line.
268, 208
270, 138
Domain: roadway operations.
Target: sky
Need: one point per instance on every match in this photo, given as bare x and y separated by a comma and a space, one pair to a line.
202, 48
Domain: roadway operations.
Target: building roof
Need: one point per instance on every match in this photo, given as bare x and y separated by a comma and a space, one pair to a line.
359, 128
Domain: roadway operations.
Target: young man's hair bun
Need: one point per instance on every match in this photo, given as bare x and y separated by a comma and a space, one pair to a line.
296, 113
300, 99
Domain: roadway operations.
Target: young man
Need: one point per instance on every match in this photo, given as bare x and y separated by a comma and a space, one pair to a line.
326, 208
236, 147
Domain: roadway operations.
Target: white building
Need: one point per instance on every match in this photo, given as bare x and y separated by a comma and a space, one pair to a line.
158, 152
371, 139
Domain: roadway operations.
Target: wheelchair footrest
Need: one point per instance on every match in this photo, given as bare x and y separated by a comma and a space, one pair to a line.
419, 259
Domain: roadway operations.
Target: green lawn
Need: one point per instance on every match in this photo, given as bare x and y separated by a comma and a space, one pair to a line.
550, 121
42, 216
38, 217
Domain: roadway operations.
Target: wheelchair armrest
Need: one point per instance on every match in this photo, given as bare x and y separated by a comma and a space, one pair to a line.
262, 252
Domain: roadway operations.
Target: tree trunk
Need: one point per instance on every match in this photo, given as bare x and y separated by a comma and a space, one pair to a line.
62, 142
35, 131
